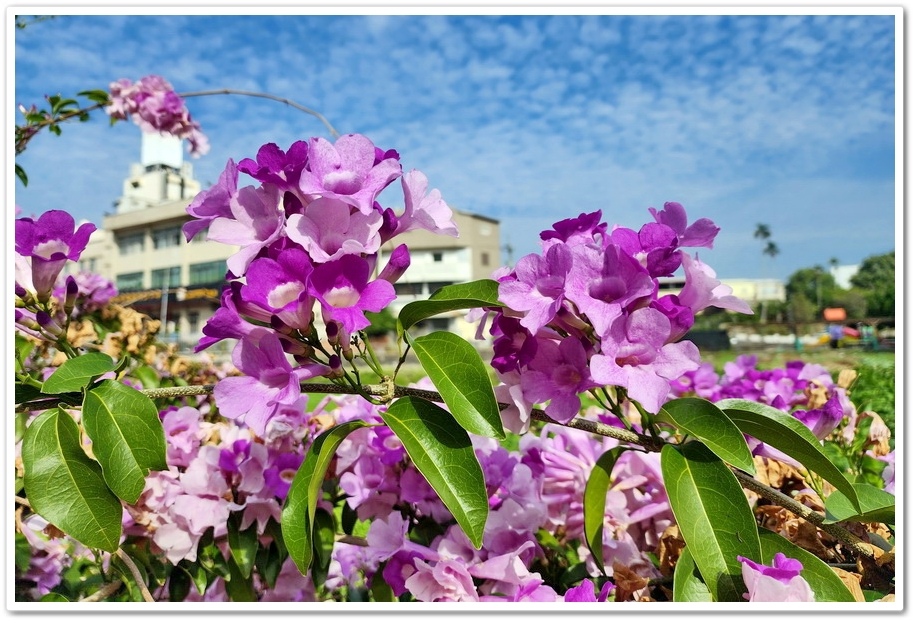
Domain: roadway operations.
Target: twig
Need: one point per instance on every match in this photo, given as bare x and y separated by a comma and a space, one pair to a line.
105, 592
141, 583
334, 133
777, 497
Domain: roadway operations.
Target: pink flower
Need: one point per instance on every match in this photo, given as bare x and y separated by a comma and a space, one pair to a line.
781, 581
329, 228
44, 246
256, 221
422, 211
446, 580
347, 170
344, 291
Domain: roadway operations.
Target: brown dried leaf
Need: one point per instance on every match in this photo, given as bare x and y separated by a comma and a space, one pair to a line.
669, 549
627, 582
853, 582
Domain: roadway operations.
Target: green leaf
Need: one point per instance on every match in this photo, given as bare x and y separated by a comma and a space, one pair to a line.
688, 583
482, 293
238, 586
127, 436
298, 515
53, 597
823, 580
24, 392
75, 374
460, 376
595, 502
441, 450
65, 486
98, 96
713, 514
876, 505
323, 543
22, 175
707, 423
148, 376
24, 347
785, 433
243, 544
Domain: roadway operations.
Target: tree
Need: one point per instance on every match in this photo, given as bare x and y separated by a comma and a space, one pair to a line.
876, 278
814, 283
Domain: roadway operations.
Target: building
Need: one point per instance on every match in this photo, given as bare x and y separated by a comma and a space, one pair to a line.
141, 248
750, 290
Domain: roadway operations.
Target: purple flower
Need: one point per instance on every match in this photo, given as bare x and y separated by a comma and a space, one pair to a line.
586, 591
822, 421
344, 291
269, 380
559, 372
635, 355
702, 289
422, 211
781, 581
446, 580
274, 166
328, 229
347, 170
257, 220
699, 234
226, 322
398, 263
213, 202
538, 286
278, 286
279, 476
45, 246
584, 228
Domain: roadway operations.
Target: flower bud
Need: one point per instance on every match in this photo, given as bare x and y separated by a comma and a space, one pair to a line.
333, 333
49, 324
72, 290
336, 367
397, 264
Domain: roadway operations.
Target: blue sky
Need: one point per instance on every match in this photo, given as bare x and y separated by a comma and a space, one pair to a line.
787, 120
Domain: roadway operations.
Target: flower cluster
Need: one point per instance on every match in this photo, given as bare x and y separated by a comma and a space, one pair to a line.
309, 235
781, 581
587, 312
153, 104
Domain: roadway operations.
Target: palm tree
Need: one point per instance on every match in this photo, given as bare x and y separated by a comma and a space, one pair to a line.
769, 248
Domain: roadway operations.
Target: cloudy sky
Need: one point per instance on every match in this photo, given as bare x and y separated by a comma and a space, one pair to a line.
785, 120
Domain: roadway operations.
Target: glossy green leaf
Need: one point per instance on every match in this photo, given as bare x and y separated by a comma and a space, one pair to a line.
707, 423
238, 586
323, 544
65, 486
688, 583
298, 515
148, 376
823, 580
482, 293
49, 597
441, 450
460, 376
877, 506
783, 432
127, 436
243, 544
595, 502
24, 347
77, 373
713, 514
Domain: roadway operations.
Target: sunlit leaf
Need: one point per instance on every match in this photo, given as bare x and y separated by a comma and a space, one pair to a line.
878, 506
482, 293
127, 436
243, 544
688, 583
707, 423
441, 450
460, 376
786, 434
713, 514
65, 486
298, 515
77, 373
595, 502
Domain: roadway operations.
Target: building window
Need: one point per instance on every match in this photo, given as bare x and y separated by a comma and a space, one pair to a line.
88, 265
159, 276
166, 237
435, 285
130, 243
201, 236
484, 259
437, 256
193, 321
408, 288
207, 272
129, 281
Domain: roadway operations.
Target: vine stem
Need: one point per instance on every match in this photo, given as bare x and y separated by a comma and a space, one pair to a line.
134, 571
